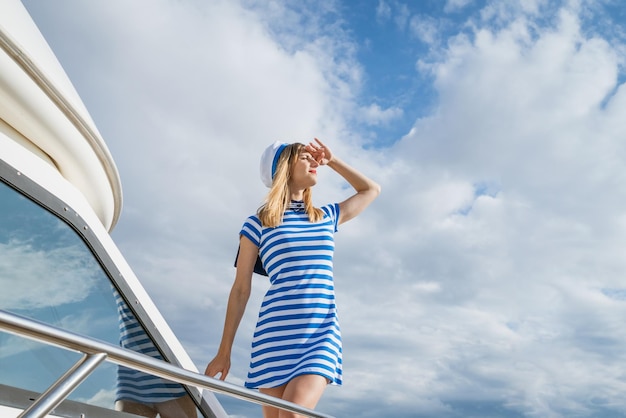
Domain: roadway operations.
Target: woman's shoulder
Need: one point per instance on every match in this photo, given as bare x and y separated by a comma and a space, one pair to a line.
331, 209
253, 219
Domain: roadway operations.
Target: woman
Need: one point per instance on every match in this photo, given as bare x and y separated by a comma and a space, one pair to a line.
296, 349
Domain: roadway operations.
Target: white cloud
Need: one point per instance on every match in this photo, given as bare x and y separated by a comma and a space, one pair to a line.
452, 6
375, 115
394, 11
402, 15
425, 29
25, 266
383, 10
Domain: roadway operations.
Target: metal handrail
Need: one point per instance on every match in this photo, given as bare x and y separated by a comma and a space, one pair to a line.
39, 331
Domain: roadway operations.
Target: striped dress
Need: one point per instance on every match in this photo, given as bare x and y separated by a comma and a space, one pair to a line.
297, 330
133, 385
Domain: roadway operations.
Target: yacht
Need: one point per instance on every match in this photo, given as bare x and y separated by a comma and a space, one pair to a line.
79, 335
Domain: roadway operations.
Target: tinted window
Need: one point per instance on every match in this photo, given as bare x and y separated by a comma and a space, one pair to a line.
48, 273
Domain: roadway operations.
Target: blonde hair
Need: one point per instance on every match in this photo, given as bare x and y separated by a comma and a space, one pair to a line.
278, 199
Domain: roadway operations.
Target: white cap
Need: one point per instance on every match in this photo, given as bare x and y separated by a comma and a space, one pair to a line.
269, 160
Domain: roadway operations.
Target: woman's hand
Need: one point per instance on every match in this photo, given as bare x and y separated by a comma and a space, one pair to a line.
320, 152
220, 364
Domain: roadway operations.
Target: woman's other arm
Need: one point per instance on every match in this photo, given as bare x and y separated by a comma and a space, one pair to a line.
237, 301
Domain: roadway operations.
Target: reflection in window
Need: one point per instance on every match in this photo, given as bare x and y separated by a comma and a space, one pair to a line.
48, 273
141, 393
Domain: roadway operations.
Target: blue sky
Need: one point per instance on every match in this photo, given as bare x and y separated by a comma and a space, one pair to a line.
488, 278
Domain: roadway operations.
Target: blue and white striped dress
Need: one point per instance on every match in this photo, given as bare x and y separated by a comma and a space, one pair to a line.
298, 330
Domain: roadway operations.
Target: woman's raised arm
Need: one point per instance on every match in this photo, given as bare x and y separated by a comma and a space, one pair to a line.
366, 189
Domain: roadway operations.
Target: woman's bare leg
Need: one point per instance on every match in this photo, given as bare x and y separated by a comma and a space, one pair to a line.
304, 390
270, 411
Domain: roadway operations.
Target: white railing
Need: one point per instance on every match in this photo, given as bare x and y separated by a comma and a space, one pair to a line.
96, 351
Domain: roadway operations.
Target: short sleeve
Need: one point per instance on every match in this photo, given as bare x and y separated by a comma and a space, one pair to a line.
251, 229
332, 211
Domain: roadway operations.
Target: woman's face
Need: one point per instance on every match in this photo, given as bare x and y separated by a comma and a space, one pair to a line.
303, 171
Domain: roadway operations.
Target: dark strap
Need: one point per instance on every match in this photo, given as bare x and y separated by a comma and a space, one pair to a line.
258, 266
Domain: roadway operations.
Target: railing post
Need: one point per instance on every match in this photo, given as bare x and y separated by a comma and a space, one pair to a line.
63, 386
